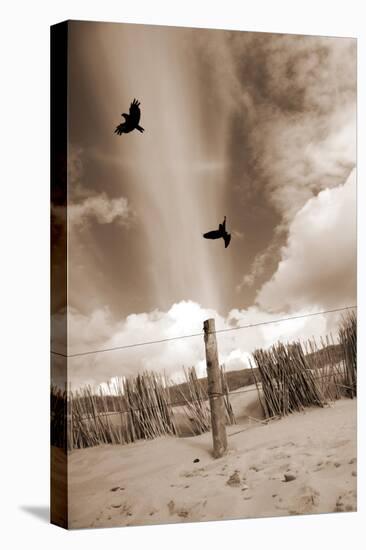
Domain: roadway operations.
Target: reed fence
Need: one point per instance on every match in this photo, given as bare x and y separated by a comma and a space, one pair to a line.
287, 378
288, 385
347, 336
129, 409
302, 374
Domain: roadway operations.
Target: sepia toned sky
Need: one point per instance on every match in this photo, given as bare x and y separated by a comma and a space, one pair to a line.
258, 127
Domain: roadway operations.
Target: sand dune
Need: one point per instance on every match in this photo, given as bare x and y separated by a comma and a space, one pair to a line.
161, 481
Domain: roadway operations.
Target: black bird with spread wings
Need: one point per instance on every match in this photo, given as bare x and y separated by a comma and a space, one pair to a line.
219, 233
131, 120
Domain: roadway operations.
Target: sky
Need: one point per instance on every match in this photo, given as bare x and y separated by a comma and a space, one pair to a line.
255, 126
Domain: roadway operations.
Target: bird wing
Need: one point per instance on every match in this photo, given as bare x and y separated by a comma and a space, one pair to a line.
120, 129
216, 234
135, 112
227, 239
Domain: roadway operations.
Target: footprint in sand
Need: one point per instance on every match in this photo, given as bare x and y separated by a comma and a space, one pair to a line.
181, 512
125, 509
305, 502
320, 466
346, 502
339, 507
199, 472
255, 468
281, 456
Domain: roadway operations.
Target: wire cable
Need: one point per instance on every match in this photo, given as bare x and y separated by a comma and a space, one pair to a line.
239, 327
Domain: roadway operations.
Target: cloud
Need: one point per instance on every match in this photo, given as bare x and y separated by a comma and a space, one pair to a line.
99, 208
318, 262
300, 124
100, 330
95, 209
85, 205
260, 265
295, 115
302, 155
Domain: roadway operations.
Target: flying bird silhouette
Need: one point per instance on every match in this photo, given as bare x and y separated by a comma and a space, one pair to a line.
131, 120
219, 233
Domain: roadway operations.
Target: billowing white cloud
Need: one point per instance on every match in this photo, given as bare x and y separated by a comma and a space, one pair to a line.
100, 331
318, 263
302, 155
301, 126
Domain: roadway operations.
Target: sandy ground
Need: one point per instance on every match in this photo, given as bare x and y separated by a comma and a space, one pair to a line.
161, 481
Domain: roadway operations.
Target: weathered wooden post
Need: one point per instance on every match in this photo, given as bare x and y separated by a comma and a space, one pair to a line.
217, 405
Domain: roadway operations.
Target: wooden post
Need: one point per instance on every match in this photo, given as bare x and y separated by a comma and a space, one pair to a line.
215, 390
